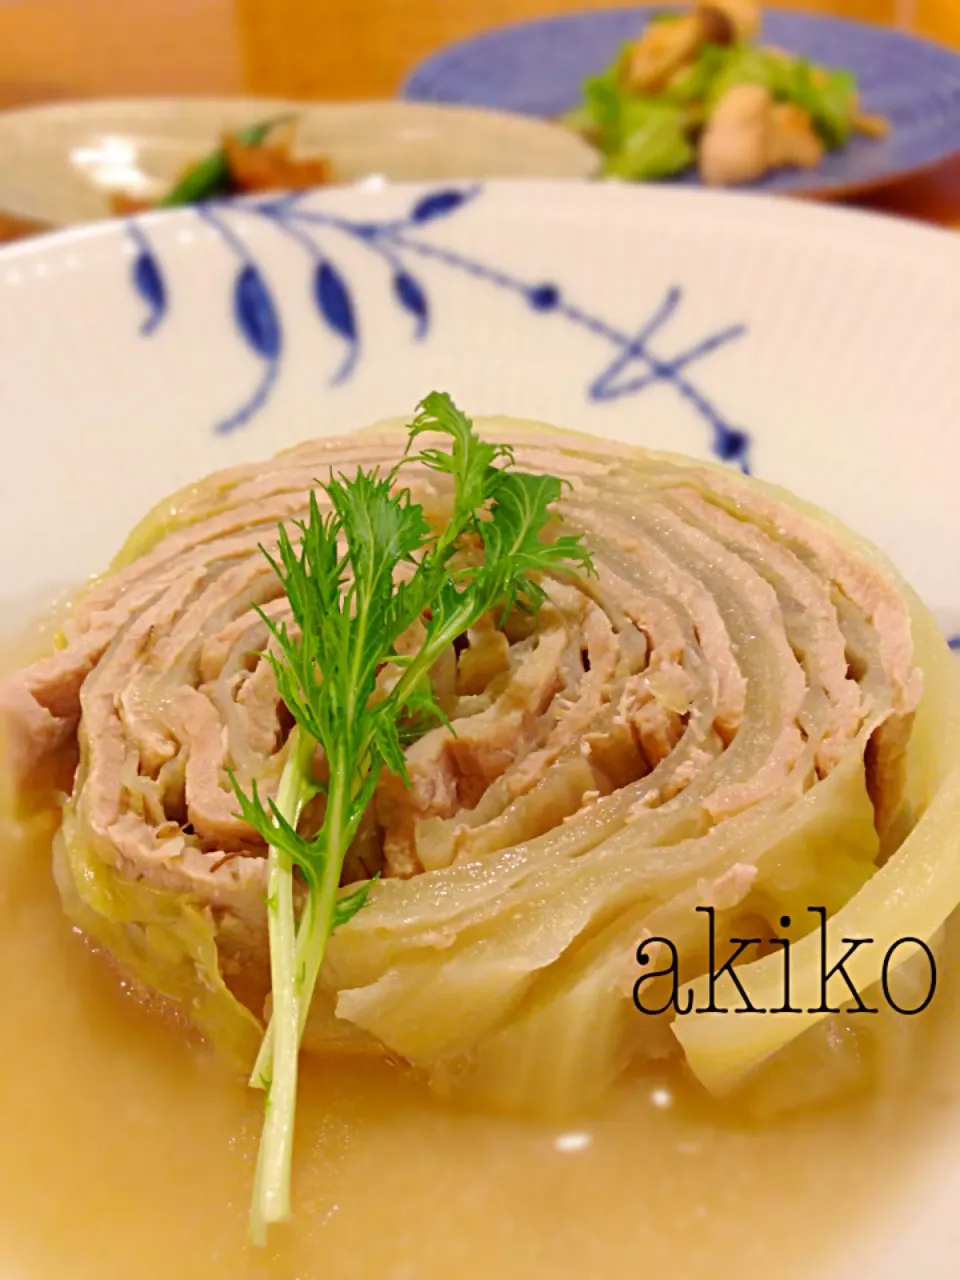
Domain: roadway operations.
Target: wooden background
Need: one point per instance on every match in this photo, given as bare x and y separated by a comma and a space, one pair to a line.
53, 49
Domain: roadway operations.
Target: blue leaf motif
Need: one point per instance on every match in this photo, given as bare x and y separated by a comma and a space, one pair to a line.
336, 307
635, 365
148, 282
255, 313
411, 297
437, 205
333, 301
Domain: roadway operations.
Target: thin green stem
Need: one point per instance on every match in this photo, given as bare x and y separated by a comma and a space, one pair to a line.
419, 668
260, 1076
271, 1193
314, 927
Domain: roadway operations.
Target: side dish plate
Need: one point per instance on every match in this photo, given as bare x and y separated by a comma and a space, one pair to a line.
539, 68
62, 163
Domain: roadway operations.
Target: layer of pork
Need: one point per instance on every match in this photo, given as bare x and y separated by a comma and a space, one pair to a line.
729, 649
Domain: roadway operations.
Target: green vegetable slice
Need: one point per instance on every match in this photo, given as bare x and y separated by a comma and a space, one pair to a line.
654, 142
210, 176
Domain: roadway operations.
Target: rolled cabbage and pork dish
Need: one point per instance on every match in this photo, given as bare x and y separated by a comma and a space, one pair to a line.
484, 746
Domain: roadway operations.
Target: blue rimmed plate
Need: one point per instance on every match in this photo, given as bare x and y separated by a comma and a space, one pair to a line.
538, 67
815, 346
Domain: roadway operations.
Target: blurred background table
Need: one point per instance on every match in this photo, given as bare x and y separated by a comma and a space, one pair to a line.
55, 49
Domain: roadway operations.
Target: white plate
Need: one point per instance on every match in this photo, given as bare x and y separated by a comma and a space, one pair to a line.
827, 338
61, 163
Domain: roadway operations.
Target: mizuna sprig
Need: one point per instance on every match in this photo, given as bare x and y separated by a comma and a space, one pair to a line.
350, 606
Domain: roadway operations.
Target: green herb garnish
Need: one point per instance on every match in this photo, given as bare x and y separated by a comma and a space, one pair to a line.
350, 611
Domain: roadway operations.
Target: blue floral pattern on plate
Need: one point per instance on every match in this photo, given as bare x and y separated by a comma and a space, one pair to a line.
538, 67
398, 242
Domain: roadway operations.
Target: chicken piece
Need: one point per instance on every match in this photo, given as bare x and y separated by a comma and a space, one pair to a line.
738, 142
742, 15
662, 50
795, 141
749, 133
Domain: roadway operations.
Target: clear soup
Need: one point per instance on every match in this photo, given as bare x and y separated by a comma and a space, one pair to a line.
127, 1152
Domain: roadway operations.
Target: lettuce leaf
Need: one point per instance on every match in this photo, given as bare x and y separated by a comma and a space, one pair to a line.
693, 85
640, 137
830, 98
745, 64
598, 116
653, 141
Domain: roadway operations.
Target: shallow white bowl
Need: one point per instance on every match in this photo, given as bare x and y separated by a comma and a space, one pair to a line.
817, 345
60, 163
